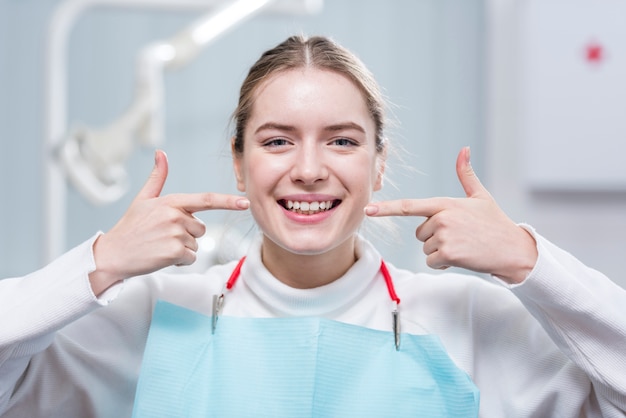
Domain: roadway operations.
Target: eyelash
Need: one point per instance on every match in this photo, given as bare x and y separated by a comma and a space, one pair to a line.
340, 142
275, 142
347, 142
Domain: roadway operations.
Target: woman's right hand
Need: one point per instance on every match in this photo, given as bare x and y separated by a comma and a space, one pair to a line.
156, 231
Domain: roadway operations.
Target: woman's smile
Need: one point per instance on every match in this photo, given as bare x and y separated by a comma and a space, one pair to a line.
308, 208
308, 212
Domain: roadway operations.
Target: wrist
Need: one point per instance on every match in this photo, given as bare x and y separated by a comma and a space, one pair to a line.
104, 275
523, 260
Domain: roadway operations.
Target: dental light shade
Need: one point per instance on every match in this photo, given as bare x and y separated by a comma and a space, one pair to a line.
93, 160
99, 178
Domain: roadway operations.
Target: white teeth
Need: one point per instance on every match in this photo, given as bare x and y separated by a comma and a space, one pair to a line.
308, 207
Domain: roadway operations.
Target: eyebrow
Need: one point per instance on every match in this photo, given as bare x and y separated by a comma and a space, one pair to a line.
344, 127
331, 128
276, 126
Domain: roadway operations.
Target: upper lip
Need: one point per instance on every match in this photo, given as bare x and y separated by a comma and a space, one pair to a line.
309, 198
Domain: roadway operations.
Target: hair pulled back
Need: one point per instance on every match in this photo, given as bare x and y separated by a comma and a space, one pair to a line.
314, 52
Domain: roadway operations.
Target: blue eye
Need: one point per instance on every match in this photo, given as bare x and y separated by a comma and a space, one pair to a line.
275, 142
344, 142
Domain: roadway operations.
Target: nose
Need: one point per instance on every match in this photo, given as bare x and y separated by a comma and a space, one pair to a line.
309, 166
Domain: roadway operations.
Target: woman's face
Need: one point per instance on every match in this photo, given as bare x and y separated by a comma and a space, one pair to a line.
309, 164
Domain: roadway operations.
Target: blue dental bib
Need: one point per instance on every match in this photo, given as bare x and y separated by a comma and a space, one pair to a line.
294, 367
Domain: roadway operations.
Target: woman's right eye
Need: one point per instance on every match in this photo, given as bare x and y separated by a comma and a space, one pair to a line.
275, 142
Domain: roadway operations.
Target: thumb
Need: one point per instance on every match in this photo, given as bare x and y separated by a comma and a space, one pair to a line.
157, 178
470, 182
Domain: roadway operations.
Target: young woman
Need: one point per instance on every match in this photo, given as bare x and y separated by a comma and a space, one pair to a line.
312, 322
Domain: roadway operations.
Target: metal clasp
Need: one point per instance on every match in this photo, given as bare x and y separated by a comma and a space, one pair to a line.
396, 325
218, 302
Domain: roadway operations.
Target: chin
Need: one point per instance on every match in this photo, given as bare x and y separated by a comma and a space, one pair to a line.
309, 246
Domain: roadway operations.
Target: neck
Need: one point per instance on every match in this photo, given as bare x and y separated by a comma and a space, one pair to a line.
308, 271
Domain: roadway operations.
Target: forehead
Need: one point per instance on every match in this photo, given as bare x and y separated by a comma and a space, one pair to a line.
310, 96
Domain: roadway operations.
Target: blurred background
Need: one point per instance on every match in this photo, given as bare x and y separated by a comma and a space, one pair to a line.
536, 88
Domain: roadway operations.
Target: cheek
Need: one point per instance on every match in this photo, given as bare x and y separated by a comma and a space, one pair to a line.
360, 181
260, 175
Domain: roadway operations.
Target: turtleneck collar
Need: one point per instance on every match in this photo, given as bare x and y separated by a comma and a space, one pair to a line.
318, 301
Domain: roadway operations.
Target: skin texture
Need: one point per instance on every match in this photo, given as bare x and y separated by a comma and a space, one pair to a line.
311, 138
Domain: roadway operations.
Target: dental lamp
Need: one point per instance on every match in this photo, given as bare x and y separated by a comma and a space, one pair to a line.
93, 159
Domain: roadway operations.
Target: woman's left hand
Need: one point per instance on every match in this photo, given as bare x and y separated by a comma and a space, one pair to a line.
471, 232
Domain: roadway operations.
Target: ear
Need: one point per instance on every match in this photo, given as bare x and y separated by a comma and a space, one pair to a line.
241, 186
381, 160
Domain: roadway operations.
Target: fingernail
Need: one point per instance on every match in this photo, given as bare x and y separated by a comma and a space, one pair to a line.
243, 203
370, 210
156, 156
467, 155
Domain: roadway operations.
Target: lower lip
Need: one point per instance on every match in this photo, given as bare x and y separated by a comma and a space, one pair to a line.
307, 219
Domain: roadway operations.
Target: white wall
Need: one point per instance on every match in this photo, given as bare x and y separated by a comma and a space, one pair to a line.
589, 222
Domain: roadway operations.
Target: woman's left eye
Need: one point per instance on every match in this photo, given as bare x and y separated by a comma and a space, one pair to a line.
344, 142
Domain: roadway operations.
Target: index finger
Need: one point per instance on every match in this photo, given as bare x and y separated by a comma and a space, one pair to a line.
197, 202
406, 207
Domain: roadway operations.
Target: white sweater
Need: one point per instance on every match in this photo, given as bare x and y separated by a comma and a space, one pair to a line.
554, 345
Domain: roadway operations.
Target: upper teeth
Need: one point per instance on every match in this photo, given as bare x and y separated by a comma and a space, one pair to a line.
309, 206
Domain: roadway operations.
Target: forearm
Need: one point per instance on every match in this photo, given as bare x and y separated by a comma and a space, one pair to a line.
34, 307
583, 312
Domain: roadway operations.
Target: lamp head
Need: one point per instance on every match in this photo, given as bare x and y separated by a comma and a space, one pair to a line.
94, 163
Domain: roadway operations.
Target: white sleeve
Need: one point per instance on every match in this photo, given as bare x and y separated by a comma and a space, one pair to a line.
34, 307
584, 313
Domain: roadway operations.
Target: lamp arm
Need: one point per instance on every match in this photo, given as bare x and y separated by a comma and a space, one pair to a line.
178, 51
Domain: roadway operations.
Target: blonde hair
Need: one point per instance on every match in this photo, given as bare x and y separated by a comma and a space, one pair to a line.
315, 52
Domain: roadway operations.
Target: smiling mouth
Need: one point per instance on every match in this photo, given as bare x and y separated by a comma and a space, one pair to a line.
308, 208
